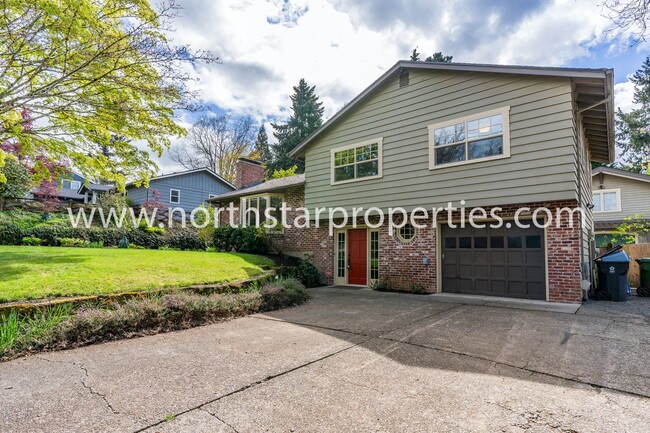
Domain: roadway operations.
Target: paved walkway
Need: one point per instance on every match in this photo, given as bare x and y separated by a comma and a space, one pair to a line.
350, 360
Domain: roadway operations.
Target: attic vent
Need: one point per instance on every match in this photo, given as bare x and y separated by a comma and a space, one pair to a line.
403, 78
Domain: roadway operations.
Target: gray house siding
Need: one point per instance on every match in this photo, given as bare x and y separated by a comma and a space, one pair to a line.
542, 166
635, 197
195, 189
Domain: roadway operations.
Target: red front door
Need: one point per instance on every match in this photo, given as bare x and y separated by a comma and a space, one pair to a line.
357, 256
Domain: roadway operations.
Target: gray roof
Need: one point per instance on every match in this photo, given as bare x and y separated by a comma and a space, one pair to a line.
268, 186
621, 173
97, 187
593, 88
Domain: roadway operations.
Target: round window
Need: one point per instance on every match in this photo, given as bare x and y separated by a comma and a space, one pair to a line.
406, 233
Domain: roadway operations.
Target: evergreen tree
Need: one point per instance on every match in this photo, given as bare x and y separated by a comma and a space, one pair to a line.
434, 58
439, 58
306, 117
633, 128
262, 149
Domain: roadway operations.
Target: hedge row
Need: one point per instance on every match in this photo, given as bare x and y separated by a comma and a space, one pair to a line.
179, 238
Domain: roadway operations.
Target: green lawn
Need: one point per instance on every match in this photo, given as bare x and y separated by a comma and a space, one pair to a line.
43, 272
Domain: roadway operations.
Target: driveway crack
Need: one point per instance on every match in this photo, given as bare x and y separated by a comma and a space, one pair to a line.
217, 417
252, 385
83, 381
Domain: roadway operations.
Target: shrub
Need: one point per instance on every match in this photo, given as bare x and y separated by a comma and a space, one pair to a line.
381, 285
72, 242
307, 273
10, 234
283, 293
304, 271
221, 238
184, 239
32, 241
418, 289
98, 244
253, 240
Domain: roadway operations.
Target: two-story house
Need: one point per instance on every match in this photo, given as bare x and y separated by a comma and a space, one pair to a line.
504, 140
618, 194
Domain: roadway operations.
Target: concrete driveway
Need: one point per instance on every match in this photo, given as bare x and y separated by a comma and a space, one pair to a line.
352, 360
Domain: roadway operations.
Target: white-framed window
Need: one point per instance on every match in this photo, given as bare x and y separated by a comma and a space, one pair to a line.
355, 162
71, 184
252, 211
479, 137
374, 255
607, 200
175, 196
407, 233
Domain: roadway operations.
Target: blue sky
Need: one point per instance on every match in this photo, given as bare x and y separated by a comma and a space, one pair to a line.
342, 46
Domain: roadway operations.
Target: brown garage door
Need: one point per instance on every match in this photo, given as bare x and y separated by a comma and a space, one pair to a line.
498, 262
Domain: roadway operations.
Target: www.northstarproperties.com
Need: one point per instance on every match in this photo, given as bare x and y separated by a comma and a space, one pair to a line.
334, 217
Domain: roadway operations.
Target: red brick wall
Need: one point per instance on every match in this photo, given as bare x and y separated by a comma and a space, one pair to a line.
402, 263
247, 172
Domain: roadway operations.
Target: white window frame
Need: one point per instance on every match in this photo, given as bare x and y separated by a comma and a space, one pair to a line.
71, 185
401, 238
503, 111
601, 193
171, 190
242, 211
380, 160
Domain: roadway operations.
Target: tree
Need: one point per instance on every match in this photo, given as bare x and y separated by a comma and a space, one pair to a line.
279, 174
216, 142
17, 180
438, 58
86, 70
306, 117
434, 58
633, 128
628, 19
262, 149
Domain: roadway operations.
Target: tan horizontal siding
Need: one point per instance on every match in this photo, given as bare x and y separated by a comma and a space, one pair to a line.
635, 197
542, 162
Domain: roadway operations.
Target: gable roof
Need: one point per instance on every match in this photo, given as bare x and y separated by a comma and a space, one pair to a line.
621, 173
183, 173
593, 88
268, 186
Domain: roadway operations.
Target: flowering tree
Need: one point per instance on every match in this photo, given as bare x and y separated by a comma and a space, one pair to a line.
154, 202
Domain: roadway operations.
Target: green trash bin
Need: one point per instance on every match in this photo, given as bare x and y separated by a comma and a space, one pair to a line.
644, 268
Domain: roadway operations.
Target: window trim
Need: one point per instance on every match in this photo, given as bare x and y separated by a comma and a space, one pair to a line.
170, 196
504, 111
279, 229
402, 239
601, 192
380, 160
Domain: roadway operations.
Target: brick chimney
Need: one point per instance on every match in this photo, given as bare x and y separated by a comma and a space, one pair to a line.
248, 172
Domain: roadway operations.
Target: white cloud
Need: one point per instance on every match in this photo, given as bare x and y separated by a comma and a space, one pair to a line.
342, 46
624, 96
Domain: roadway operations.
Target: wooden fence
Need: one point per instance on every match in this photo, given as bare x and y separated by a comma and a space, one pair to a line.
635, 251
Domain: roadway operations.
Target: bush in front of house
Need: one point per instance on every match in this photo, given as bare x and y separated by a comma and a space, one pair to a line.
304, 271
31, 241
283, 293
253, 240
72, 242
183, 239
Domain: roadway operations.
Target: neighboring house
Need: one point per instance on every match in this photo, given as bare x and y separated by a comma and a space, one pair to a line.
426, 134
185, 190
618, 194
73, 188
